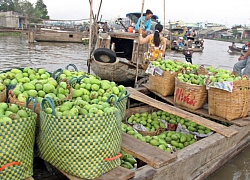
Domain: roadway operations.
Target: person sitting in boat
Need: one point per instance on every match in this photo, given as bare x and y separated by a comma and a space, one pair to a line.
146, 22
180, 42
233, 45
243, 63
157, 45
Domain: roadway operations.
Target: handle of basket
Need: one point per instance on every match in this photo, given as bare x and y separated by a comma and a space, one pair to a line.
120, 97
109, 98
34, 101
74, 66
57, 73
9, 164
73, 80
51, 103
82, 77
245, 76
113, 158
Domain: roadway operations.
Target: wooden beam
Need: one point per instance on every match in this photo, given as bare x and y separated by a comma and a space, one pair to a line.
182, 113
119, 173
149, 154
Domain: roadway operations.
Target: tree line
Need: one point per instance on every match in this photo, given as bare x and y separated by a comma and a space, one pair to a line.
34, 13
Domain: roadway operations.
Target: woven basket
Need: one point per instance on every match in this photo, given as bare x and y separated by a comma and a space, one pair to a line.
230, 105
17, 147
189, 95
202, 70
163, 84
3, 95
80, 145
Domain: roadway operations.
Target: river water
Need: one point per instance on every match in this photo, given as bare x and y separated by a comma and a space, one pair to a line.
17, 52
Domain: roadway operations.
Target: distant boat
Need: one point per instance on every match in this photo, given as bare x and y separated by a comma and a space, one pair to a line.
237, 49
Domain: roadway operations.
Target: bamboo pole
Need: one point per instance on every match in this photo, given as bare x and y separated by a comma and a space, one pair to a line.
96, 19
164, 15
90, 34
137, 59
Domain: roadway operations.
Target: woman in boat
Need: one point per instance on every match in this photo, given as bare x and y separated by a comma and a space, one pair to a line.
146, 22
157, 45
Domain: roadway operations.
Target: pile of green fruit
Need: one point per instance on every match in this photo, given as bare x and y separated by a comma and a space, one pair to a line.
192, 78
81, 107
174, 66
93, 90
127, 160
165, 140
67, 74
222, 75
10, 112
42, 88
15, 76
2, 86
194, 127
150, 121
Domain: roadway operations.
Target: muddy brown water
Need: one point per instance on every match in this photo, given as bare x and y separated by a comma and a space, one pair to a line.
17, 52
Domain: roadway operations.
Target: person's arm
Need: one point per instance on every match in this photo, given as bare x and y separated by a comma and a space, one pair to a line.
137, 26
245, 56
143, 40
164, 45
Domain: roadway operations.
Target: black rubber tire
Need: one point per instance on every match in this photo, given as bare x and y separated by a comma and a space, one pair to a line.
105, 55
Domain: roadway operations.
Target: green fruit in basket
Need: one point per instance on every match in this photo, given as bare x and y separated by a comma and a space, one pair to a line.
5, 119
13, 108
7, 113
28, 86
22, 113
3, 106
154, 142
48, 110
32, 93
77, 93
2, 86
21, 97
38, 86
48, 88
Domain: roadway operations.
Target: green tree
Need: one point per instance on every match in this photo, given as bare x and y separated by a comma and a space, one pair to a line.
41, 9
28, 11
6, 5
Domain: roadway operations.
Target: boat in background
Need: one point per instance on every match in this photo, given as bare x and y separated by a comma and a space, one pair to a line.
237, 50
59, 31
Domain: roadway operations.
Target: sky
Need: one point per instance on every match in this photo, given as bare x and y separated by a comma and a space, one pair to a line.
224, 12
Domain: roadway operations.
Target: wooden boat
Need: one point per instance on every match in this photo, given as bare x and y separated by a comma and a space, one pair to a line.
237, 49
196, 161
127, 53
50, 35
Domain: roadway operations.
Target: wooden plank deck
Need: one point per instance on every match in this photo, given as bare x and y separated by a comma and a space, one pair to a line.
119, 173
204, 112
151, 155
182, 113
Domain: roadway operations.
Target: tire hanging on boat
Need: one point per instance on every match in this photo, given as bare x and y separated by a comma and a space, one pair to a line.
105, 55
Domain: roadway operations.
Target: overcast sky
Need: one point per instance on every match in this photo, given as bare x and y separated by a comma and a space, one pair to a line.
213, 11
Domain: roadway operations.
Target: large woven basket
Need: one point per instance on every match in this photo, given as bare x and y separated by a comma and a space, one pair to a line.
189, 95
3, 95
164, 84
230, 105
17, 147
83, 146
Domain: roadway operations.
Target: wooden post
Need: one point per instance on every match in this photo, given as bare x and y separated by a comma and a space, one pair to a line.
31, 36
137, 61
164, 15
90, 35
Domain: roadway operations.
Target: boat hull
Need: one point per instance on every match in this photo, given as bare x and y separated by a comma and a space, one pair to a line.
237, 49
60, 36
119, 72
